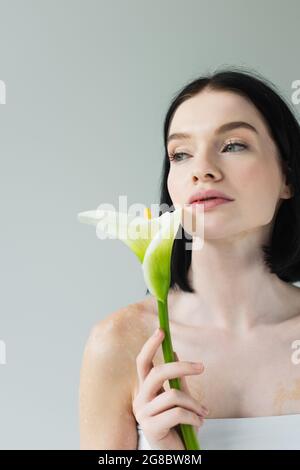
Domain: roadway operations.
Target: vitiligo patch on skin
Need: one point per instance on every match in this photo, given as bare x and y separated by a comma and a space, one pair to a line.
285, 395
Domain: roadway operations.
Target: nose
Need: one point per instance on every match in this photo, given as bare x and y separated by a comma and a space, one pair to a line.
204, 169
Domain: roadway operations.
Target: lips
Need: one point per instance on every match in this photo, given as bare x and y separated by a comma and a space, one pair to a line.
207, 199
209, 203
207, 195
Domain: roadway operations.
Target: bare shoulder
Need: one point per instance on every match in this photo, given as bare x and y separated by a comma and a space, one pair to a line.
119, 336
126, 328
108, 377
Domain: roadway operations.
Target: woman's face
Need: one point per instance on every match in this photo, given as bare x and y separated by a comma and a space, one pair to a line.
248, 170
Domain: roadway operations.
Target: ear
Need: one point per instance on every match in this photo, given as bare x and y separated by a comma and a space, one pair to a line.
287, 187
287, 192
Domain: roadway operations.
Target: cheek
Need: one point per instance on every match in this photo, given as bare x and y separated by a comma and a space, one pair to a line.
259, 187
175, 187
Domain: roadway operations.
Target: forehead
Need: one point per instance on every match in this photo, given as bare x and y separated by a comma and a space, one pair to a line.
208, 110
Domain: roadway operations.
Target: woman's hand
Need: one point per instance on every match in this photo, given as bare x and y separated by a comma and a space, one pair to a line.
159, 411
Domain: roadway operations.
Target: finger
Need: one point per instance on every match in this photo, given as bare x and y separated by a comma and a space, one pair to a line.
170, 399
183, 383
162, 372
144, 360
161, 390
185, 388
173, 417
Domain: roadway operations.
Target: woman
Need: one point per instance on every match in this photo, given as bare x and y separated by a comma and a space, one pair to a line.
232, 304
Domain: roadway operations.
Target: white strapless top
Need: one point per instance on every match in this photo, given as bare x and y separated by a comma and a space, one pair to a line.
262, 432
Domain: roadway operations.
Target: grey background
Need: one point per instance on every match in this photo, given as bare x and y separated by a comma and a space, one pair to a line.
88, 84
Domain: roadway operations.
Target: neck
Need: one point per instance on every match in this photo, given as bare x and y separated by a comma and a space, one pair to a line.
233, 287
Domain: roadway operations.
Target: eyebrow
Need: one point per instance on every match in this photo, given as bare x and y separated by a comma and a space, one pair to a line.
225, 127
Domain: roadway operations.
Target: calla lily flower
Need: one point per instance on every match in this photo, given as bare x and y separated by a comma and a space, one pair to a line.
151, 239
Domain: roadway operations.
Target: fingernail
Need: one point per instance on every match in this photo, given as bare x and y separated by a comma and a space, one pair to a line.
197, 365
157, 332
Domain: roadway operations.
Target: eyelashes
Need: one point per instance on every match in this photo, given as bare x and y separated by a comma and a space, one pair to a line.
174, 155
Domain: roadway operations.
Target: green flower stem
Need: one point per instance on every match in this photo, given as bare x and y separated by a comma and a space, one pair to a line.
187, 431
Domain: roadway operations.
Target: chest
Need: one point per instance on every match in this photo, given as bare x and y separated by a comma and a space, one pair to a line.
253, 376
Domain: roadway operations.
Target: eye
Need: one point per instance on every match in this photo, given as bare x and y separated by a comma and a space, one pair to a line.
235, 143
176, 156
